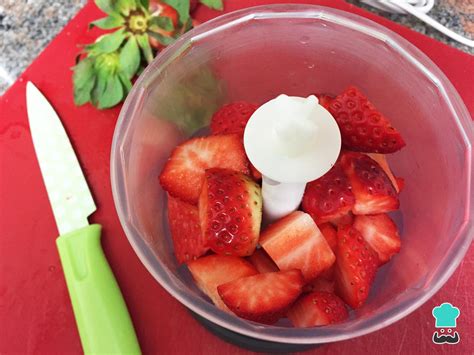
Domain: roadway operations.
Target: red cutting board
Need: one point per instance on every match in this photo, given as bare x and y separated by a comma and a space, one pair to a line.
35, 313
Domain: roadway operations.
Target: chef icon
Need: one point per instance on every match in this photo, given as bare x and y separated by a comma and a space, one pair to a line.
446, 315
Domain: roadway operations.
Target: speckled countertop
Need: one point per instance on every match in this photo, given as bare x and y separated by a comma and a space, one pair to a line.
27, 26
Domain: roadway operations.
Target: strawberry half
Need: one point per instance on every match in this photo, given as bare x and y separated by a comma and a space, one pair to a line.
373, 190
382, 161
320, 284
183, 173
325, 100
316, 309
329, 197
356, 265
188, 241
363, 128
262, 298
232, 118
381, 233
295, 242
214, 270
262, 262
330, 234
230, 210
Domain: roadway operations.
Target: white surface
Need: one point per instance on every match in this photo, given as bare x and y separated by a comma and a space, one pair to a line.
291, 141
68, 193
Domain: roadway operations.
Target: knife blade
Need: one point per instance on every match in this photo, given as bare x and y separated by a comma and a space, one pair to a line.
100, 311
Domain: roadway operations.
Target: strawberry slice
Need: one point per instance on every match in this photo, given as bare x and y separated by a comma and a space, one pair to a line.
295, 242
320, 284
316, 309
329, 197
214, 270
381, 233
373, 191
262, 262
356, 265
230, 211
183, 174
363, 128
262, 298
232, 118
188, 241
325, 100
330, 234
382, 161
343, 220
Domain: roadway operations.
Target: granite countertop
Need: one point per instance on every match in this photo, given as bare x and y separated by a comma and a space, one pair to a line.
27, 26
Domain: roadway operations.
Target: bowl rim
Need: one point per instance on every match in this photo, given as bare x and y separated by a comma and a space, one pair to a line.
294, 335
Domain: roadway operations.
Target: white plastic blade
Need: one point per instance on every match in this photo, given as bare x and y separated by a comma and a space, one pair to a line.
68, 192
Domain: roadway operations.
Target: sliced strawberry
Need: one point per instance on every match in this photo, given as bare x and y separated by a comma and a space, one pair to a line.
382, 161
330, 234
295, 242
262, 298
262, 262
183, 173
232, 118
356, 265
363, 128
320, 284
381, 233
373, 190
188, 241
214, 270
344, 220
316, 309
400, 183
329, 197
230, 211
325, 100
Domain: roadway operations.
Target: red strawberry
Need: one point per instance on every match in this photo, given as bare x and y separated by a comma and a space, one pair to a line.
400, 183
214, 270
320, 284
185, 230
183, 173
161, 9
343, 220
363, 128
295, 242
381, 233
316, 309
382, 161
373, 191
262, 262
262, 298
325, 100
356, 265
230, 210
330, 234
232, 118
329, 197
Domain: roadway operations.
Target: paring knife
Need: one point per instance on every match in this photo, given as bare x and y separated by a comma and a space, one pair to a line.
99, 308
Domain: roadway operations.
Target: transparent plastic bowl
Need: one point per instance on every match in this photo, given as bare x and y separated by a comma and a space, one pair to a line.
258, 53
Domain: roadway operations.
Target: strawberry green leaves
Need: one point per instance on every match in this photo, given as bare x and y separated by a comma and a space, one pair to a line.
129, 58
213, 4
106, 68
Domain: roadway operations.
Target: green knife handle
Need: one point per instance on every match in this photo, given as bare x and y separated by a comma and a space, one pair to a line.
100, 310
